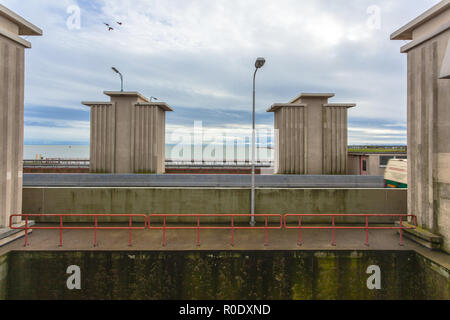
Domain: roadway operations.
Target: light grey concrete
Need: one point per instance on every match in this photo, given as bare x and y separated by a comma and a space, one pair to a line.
200, 180
428, 119
12, 72
127, 134
212, 200
310, 135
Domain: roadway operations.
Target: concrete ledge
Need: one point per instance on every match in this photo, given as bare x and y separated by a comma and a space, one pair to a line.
421, 236
201, 180
8, 235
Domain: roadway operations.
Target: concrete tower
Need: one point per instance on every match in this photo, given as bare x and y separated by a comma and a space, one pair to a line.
127, 134
311, 135
12, 69
429, 119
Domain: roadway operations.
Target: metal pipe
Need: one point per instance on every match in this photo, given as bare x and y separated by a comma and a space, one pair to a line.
252, 219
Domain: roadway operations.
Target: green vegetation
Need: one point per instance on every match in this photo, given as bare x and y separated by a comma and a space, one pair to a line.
377, 150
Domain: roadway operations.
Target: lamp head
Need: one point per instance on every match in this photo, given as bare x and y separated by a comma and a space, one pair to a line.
259, 62
115, 70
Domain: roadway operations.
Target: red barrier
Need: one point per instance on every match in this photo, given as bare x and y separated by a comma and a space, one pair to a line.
61, 226
334, 227
198, 227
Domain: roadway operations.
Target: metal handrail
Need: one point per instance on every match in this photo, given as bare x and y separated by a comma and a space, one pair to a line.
61, 226
333, 226
198, 227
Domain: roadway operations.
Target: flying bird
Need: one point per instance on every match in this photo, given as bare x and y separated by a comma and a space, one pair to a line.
119, 23
109, 27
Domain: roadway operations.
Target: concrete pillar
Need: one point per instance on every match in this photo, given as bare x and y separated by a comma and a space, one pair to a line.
127, 134
310, 135
429, 118
12, 51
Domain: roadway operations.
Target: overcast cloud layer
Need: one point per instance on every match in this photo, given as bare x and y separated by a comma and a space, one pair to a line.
198, 57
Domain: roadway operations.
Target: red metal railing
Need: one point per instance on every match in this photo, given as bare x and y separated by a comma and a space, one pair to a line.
333, 227
96, 227
231, 227
198, 227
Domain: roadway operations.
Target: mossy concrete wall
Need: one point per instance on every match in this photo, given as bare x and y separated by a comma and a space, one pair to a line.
225, 275
59, 200
3, 276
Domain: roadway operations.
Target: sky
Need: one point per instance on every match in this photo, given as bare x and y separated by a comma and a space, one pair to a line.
198, 57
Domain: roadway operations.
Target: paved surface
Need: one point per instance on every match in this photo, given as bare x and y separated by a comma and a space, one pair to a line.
200, 180
210, 240
180, 240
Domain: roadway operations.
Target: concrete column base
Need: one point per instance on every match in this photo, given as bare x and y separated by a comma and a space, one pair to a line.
8, 235
421, 236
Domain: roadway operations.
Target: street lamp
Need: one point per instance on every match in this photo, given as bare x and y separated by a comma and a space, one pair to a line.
258, 64
121, 78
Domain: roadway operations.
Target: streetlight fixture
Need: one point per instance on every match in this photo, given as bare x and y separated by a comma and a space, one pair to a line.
121, 78
258, 64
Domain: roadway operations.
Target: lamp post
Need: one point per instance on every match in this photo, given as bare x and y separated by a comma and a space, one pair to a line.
258, 64
121, 78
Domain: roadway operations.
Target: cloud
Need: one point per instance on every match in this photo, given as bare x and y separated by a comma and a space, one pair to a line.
198, 57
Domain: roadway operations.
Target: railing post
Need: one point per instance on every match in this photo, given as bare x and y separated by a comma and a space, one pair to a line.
95, 232
129, 235
333, 243
367, 230
232, 231
401, 231
60, 230
299, 243
26, 231
198, 230
265, 230
164, 231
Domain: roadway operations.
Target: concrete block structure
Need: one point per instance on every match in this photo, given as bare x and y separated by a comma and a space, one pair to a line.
370, 164
127, 134
310, 135
429, 118
12, 72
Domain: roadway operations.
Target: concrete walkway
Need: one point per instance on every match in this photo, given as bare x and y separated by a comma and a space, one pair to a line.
210, 240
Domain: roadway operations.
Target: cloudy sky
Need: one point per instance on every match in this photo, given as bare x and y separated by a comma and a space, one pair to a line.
198, 56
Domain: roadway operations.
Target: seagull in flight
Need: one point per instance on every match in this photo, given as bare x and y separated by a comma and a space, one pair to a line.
109, 27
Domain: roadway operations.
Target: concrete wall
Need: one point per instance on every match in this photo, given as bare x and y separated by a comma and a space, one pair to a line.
11, 128
428, 120
212, 200
3, 276
102, 140
12, 72
334, 140
429, 137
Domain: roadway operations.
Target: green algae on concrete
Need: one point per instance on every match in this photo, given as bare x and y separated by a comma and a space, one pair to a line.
3, 275
224, 275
